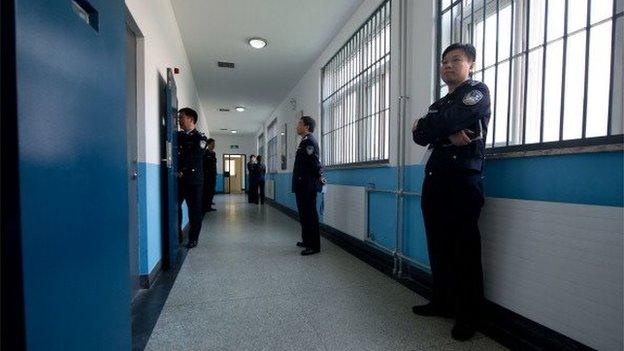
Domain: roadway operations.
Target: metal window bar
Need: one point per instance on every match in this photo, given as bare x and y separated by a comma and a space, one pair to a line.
517, 104
355, 103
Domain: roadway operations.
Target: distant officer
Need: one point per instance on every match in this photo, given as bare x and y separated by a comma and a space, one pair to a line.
307, 180
210, 175
250, 176
191, 149
260, 178
452, 194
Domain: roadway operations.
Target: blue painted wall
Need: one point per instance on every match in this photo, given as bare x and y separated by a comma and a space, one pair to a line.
73, 176
596, 179
150, 228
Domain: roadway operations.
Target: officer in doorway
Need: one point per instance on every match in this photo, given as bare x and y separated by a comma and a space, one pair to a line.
452, 195
210, 175
307, 180
192, 146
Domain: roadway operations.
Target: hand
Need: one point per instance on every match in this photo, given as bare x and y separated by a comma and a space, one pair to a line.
323, 180
179, 174
415, 125
460, 138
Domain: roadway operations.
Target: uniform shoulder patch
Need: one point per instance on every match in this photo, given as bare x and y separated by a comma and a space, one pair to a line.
472, 97
202, 144
310, 149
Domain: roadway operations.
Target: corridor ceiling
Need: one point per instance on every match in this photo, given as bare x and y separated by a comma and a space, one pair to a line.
297, 32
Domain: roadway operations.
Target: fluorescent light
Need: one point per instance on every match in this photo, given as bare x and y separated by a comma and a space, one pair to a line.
234, 131
257, 43
240, 109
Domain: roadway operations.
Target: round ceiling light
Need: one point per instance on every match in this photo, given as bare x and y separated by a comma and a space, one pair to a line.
240, 109
257, 43
234, 131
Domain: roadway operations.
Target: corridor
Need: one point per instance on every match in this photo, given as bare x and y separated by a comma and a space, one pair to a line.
245, 287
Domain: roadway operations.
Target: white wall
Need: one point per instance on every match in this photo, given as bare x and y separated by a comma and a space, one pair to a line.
163, 48
246, 144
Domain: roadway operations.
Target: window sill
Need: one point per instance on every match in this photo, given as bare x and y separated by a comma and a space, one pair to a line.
605, 144
369, 164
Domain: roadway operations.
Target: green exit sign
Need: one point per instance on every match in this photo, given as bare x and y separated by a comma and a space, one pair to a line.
233, 146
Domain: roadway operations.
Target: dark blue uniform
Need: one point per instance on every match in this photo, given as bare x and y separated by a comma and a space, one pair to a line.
210, 178
306, 182
191, 150
452, 197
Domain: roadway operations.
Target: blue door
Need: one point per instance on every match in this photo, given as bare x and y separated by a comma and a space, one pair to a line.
173, 212
73, 173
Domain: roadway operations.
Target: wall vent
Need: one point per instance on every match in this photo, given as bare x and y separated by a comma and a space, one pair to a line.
225, 64
224, 110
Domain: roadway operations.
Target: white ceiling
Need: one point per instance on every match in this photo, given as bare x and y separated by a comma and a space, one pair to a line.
217, 30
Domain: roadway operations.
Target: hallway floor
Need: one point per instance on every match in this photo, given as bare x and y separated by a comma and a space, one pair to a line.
246, 287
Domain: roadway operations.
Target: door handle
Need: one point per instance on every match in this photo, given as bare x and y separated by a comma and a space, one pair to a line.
135, 174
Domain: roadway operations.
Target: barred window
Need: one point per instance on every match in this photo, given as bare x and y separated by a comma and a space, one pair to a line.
355, 95
272, 147
554, 68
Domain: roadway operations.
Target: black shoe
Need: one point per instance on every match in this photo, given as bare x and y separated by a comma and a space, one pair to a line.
309, 251
300, 244
191, 244
211, 209
429, 310
463, 331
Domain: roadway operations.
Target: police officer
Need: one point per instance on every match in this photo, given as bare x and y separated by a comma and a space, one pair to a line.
210, 175
250, 175
452, 194
260, 179
191, 149
307, 180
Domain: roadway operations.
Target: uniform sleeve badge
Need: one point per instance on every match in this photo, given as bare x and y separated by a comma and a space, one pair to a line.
472, 97
310, 149
202, 144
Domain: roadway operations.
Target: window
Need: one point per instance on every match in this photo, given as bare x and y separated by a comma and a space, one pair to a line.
272, 147
355, 95
554, 68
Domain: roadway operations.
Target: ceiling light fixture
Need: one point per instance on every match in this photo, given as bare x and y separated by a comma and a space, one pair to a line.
257, 43
234, 131
240, 109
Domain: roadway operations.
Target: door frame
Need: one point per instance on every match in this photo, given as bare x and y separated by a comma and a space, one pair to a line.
134, 223
13, 321
244, 172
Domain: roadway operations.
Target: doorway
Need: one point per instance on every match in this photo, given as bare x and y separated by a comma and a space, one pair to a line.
234, 173
132, 153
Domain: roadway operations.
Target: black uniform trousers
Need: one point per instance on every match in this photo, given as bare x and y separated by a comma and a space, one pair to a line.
261, 184
209, 192
308, 218
192, 193
451, 205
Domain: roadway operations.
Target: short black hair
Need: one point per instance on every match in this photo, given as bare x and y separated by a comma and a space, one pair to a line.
309, 122
187, 111
259, 158
210, 141
468, 49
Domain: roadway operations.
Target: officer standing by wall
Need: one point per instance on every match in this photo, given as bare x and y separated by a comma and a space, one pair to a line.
191, 149
250, 176
307, 180
452, 195
210, 175
260, 178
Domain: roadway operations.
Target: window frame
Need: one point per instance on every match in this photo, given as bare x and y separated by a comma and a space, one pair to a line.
519, 75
